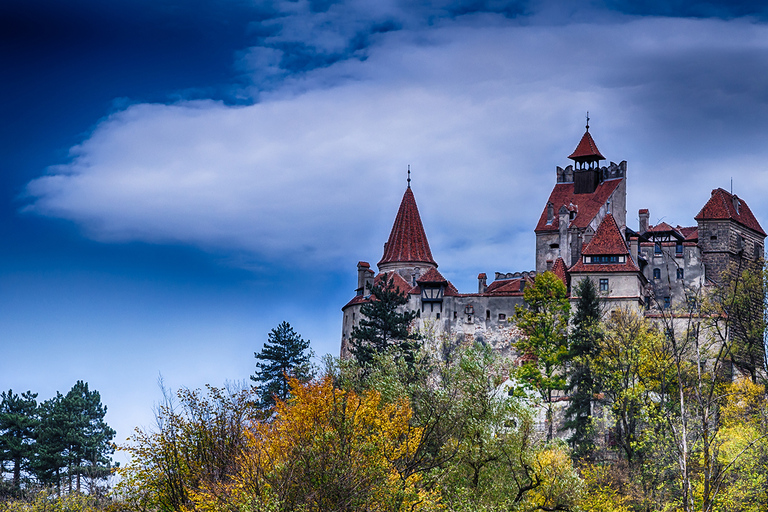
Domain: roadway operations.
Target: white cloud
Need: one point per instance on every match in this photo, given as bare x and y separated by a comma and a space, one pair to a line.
482, 108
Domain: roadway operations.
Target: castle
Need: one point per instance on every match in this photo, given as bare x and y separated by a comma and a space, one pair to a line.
581, 233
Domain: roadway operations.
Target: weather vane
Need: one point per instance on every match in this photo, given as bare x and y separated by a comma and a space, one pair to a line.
587, 120
409, 176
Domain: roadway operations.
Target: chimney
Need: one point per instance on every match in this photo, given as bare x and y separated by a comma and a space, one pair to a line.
550, 213
634, 244
363, 277
481, 280
644, 216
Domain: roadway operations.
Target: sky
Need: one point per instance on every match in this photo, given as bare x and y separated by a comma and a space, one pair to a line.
178, 177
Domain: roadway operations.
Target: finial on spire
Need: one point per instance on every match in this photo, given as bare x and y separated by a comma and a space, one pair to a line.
409, 176
587, 120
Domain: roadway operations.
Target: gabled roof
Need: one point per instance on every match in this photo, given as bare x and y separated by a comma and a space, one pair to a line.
432, 276
607, 240
407, 240
587, 149
560, 270
588, 204
725, 206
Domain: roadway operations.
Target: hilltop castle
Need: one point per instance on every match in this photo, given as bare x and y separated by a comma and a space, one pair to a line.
581, 233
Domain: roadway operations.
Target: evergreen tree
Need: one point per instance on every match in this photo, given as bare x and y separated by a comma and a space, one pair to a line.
383, 324
73, 436
285, 354
18, 420
582, 386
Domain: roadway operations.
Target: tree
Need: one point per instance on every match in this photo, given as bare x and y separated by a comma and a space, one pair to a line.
195, 445
18, 420
584, 346
544, 344
739, 311
285, 355
326, 449
73, 436
384, 324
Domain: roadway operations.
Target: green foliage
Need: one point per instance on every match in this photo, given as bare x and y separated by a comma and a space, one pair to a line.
739, 310
384, 325
544, 344
285, 355
582, 386
18, 422
194, 446
45, 501
73, 440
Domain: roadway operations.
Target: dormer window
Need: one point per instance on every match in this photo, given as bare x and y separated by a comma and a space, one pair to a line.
604, 259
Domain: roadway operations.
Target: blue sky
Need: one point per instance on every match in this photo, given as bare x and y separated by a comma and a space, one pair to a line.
180, 177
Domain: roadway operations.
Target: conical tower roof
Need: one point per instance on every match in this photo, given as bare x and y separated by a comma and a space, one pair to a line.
587, 150
407, 242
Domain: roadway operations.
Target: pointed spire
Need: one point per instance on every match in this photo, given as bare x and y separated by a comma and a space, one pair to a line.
587, 150
407, 242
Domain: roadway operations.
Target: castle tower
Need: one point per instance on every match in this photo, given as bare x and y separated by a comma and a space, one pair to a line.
407, 249
729, 234
581, 198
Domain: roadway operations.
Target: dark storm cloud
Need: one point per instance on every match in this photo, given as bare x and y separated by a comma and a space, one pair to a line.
724, 9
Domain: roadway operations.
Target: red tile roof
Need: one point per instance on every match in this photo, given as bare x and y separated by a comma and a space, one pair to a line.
505, 287
721, 207
692, 235
588, 204
400, 284
661, 228
607, 239
587, 149
608, 242
560, 270
407, 241
432, 276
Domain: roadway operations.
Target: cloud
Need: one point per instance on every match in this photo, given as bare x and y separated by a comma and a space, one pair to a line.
482, 107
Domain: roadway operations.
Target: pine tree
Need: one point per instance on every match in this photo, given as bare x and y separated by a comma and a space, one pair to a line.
74, 436
18, 420
582, 386
285, 354
384, 325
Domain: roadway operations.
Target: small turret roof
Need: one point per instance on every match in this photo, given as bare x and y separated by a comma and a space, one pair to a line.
407, 241
587, 149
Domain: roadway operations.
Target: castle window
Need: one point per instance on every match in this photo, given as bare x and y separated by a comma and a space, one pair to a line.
666, 302
438, 316
679, 248
680, 273
554, 246
604, 285
353, 317
487, 314
657, 248
455, 315
657, 273
713, 237
502, 317
604, 259
549, 264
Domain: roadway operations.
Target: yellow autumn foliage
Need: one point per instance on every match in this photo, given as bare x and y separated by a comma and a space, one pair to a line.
327, 449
